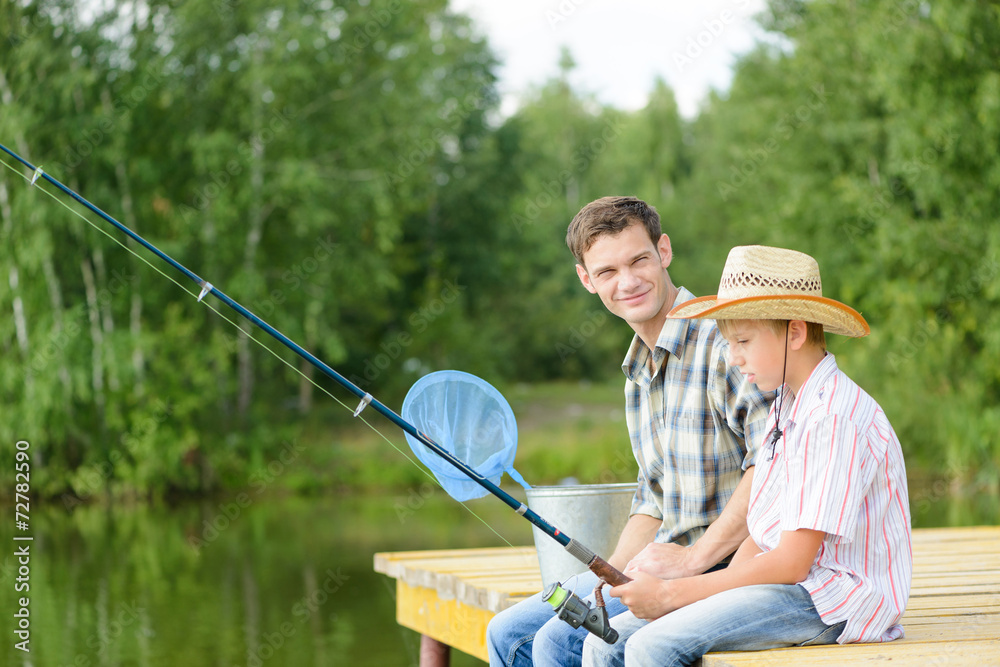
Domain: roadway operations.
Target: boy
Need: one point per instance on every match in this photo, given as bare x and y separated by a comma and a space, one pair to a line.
829, 556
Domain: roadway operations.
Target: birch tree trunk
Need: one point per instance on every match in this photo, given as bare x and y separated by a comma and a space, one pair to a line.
14, 274
96, 339
107, 321
132, 222
257, 216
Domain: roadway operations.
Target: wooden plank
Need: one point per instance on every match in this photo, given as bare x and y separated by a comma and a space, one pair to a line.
970, 652
942, 535
449, 621
969, 627
982, 604
953, 615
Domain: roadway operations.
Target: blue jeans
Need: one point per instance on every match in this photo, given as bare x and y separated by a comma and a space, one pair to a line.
752, 618
530, 634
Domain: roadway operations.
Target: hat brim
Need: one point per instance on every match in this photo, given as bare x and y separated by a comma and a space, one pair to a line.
835, 317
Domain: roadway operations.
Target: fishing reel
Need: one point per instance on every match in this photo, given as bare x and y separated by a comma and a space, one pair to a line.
575, 611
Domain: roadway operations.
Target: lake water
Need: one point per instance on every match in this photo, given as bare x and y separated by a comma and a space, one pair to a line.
268, 581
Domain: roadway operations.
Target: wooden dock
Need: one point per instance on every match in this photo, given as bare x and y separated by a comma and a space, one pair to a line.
953, 617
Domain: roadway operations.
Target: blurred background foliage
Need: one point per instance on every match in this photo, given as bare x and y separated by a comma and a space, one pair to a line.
342, 169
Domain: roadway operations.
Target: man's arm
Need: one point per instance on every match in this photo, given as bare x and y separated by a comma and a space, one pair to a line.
789, 563
721, 538
638, 532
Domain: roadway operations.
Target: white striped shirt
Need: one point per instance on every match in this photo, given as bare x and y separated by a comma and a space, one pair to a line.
839, 469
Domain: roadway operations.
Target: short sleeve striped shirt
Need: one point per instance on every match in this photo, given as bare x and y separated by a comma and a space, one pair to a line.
839, 469
688, 412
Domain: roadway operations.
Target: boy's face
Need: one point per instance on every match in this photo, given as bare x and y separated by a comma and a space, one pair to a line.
758, 352
627, 271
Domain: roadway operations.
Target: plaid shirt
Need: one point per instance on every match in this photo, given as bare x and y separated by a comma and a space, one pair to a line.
689, 418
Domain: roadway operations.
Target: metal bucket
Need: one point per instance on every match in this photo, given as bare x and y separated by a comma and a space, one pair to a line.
592, 514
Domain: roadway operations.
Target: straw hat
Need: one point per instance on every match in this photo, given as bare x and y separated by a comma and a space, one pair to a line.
763, 283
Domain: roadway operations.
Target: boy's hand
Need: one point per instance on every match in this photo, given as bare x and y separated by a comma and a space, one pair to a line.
649, 597
666, 561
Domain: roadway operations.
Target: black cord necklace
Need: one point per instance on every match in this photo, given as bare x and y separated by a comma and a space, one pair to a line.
776, 432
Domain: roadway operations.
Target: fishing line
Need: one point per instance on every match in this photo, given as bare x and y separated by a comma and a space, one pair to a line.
567, 605
245, 332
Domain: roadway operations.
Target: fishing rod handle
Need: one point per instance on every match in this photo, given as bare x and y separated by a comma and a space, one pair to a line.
607, 572
597, 565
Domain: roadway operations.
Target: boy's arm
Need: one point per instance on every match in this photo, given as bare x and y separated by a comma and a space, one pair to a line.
789, 563
747, 550
723, 537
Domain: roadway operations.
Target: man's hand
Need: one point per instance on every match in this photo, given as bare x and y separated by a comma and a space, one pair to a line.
664, 561
649, 598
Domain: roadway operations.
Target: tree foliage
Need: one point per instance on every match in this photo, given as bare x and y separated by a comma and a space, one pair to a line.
340, 169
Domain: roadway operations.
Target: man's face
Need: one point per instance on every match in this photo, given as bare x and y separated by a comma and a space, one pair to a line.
628, 272
758, 352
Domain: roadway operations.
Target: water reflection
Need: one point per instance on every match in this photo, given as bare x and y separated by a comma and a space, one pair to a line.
272, 582
278, 582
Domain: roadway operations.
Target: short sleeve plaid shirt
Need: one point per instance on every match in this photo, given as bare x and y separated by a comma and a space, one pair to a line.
689, 418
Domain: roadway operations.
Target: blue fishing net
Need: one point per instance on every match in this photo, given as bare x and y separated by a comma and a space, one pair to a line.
470, 419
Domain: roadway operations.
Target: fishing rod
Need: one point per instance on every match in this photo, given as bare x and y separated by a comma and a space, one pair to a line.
566, 604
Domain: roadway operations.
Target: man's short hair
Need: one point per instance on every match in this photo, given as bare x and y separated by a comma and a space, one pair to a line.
814, 331
610, 215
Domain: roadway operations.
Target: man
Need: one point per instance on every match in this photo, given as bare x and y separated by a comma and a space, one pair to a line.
693, 423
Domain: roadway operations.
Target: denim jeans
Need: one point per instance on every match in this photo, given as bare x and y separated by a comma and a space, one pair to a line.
530, 634
752, 618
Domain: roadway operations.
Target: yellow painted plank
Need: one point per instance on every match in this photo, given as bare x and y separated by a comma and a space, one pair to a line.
449, 621
392, 562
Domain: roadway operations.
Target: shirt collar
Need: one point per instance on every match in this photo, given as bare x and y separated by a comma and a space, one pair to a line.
672, 338
812, 388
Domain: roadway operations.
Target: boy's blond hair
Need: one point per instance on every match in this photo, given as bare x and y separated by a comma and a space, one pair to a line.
814, 332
